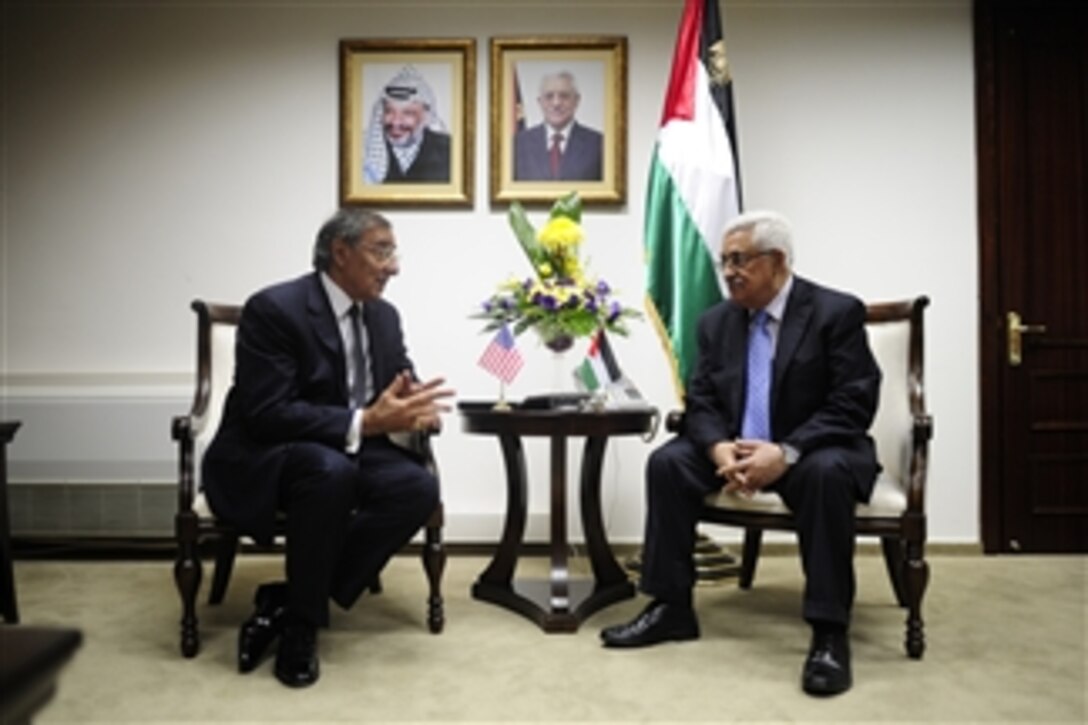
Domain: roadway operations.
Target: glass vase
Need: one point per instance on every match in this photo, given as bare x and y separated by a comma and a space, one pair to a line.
559, 343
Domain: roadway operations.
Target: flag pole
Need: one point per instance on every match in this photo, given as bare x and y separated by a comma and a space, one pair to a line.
502, 404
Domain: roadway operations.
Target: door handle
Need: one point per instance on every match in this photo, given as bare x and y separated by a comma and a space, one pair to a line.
1015, 329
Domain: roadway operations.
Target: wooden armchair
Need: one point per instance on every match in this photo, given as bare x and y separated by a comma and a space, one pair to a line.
195, 523
902, 430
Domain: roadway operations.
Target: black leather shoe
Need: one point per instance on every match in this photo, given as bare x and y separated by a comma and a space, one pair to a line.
296, 659
658, 622
263, 627
827, 667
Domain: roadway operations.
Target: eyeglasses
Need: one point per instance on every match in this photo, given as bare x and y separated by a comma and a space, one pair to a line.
739, 260
383, 253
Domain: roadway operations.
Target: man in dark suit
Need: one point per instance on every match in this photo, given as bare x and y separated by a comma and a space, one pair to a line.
407, 142
321, 379
560, 148
783, 392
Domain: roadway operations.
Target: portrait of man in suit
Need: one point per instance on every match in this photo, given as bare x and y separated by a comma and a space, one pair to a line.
559, 148
406, 139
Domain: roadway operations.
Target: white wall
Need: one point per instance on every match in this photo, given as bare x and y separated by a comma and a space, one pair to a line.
156, 154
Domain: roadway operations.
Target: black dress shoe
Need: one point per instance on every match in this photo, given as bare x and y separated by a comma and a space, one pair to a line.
658, 622
263, 627
827, 667
296, 659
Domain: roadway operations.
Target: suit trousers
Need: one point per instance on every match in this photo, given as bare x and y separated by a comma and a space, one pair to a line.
346, 516
821, 490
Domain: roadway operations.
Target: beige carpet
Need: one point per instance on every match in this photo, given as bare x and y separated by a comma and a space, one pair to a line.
1006, 636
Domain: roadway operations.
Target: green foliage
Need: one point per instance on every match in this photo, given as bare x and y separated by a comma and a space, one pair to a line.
560, 300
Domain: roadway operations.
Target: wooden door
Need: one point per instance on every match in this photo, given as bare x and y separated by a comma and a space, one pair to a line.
1032, 115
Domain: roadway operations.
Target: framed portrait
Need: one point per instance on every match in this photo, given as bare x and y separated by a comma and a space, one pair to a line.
559, 118
407, 121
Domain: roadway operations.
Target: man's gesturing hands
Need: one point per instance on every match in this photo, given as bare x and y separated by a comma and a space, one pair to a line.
407, 405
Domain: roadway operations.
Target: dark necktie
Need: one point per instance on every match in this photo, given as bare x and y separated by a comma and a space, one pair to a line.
554, 154
361, 364
757, 403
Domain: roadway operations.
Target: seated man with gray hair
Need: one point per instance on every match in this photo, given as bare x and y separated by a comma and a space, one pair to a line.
783, 393
406, 141
322, 380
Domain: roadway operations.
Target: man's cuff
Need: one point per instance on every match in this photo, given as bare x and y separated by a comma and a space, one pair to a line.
354, 439
790, 454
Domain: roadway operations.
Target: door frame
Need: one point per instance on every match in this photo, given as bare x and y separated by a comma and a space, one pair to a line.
991, 326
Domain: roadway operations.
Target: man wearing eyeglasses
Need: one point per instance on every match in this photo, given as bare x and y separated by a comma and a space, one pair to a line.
321, 379
781, 398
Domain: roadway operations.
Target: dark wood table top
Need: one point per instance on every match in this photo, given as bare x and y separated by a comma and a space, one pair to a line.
30, 658
484, 417
7, 430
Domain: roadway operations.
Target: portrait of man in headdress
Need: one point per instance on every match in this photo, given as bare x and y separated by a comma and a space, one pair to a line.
406, 140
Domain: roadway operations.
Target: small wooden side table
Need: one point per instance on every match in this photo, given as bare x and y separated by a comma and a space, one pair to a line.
9, 607
558, 604
30, 660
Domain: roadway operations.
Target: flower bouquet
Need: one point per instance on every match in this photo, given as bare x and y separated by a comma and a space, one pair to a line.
561, 301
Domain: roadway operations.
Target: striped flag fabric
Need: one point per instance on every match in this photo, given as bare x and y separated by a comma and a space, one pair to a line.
693, 188
599, 368
518, 112
501, 357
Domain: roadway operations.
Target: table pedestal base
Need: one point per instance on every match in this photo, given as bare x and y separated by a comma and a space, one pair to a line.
533, 598
559, 602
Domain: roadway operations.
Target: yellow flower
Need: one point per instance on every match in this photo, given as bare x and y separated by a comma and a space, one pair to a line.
560, 234
572, 269
545, 269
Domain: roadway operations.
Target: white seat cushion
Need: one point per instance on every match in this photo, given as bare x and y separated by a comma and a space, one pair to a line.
201, 507
889, 499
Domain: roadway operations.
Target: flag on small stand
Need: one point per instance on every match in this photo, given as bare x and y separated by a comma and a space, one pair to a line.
501, 357
599, 369
694, 185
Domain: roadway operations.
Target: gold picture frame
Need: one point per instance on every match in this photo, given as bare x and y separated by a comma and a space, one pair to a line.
530, 77
407, 121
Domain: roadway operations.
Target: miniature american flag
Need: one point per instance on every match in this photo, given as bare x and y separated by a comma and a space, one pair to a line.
501, 358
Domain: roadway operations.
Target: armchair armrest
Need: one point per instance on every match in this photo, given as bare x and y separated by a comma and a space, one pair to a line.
674, 421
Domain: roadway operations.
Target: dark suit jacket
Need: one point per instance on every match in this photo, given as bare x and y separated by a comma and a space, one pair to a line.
431, 164
289, 385
825, 385
581, 161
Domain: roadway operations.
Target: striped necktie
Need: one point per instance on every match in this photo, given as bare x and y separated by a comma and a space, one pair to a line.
757, 402
360, 392
555, 153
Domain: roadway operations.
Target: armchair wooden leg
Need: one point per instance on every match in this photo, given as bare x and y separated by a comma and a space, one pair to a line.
895, 559
434, 563
917, 579
226, 548
187, 576
753, 538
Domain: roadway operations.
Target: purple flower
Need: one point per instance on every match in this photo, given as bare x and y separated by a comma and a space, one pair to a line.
487, 306
603, 288
614, 311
